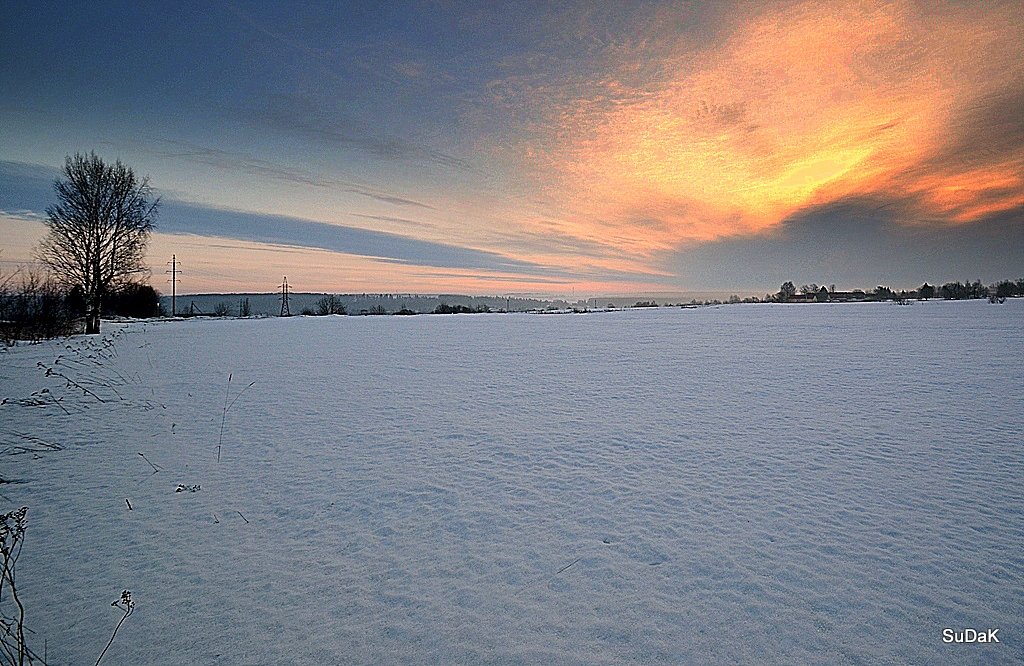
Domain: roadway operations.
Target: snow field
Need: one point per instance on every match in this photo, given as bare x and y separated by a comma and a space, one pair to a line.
742, 484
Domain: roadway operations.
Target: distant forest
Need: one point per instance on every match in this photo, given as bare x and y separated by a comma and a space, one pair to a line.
269, 304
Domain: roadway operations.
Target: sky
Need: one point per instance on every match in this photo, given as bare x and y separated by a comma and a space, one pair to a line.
532, 148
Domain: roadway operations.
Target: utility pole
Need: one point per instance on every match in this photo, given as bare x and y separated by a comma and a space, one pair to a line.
174, 285
285, 310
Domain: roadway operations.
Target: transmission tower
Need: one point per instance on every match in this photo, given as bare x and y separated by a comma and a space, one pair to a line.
285, 310
174, 284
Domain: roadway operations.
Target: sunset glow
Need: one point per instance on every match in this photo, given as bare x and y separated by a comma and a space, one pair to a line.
797, 108
570, 149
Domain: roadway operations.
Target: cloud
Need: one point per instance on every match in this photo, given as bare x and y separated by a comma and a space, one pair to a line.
856, 242
254, 166
186, 218
794, 106
248, 164
394, 220
25, 187
28, 189
335, 129
614, 140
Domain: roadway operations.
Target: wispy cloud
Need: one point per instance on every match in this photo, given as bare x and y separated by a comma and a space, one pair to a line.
401, 221
248, 164
179, 217
327, 126
333, 129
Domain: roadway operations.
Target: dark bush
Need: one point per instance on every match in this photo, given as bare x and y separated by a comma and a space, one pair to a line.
444, 308
134, 299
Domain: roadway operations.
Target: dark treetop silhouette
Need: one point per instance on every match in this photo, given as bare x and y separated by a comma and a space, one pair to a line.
98, 228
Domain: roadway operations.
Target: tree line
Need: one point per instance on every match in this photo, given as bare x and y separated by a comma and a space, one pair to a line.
996, 292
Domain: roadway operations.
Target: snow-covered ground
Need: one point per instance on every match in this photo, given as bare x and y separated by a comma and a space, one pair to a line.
742, 484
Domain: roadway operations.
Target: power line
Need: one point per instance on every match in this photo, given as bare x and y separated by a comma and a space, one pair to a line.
174, 284
285, 310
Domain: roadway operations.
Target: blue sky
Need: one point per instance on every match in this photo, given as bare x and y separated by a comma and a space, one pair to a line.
530, 148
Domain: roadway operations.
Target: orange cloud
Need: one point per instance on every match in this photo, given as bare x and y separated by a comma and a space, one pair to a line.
795, 107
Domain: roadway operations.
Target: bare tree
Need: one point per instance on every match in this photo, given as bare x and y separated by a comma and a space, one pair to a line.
98, 229
330, 305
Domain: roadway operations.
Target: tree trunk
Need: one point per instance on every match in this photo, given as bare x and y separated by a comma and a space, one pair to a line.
92, 316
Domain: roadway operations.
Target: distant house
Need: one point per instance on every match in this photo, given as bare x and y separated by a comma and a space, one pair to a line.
847, 296
823, 295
